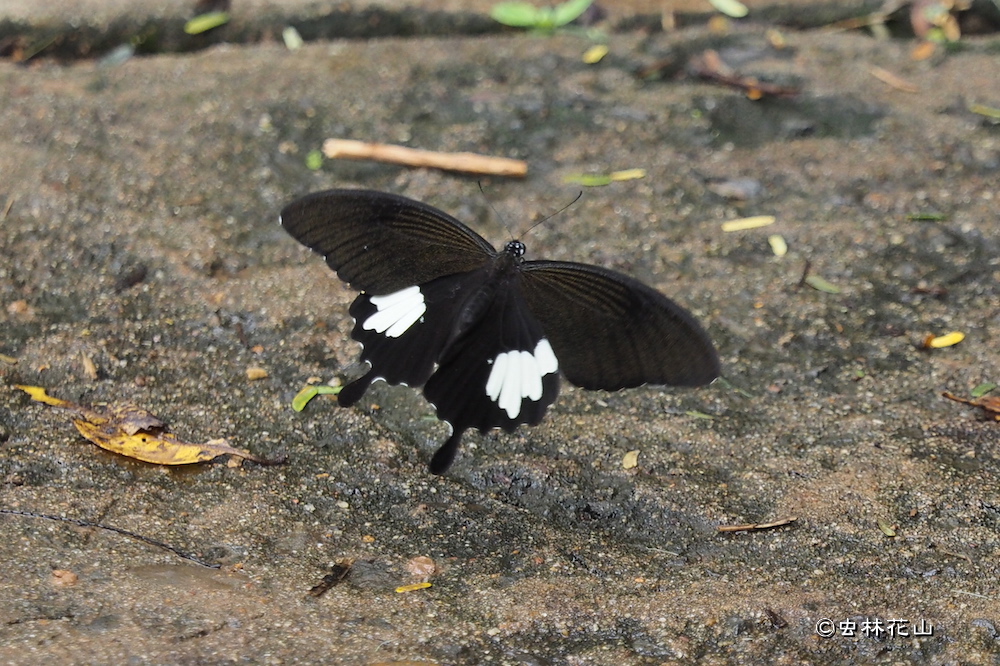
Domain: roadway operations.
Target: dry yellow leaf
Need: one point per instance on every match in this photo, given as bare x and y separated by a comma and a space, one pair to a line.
947, 340
627, 174
411, 588
778, 245
38, 394
163, 448
923, 51
134, 432
744, 223
776, 38
595, 54
630, 459
89, 367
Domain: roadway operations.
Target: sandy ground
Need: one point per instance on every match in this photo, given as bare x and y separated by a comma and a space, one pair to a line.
138, 230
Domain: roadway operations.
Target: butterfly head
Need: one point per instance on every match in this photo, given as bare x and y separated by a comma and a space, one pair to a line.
515, 248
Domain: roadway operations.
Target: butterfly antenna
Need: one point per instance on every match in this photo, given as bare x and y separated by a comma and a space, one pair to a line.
551, 215
494, 209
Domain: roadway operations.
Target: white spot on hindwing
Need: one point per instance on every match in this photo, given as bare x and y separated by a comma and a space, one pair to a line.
517, 375
396, 312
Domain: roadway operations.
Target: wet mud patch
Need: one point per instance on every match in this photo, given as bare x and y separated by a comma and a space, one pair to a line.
741, 122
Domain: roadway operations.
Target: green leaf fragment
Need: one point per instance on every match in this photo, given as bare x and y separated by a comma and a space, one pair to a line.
731, 8
725, 383
600, 179
515, 14
527, 15
569, 11
982, 389
303, 397
628, 174
887, 529
293, 40
588, 180
821, 284
989, 111
314, 160
205, 22
699, 415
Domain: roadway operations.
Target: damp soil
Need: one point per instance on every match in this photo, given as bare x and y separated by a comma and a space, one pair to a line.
139, 206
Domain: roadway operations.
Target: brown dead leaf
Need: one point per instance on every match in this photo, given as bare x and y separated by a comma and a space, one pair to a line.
421, 567
256, 372
132, 419
89, 367
710, 66
337, 573
64, 578
991, 404
923, 51
890, 79
136, 433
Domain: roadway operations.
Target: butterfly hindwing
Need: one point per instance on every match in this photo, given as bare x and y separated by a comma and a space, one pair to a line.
611, 331
500, 373
380, 242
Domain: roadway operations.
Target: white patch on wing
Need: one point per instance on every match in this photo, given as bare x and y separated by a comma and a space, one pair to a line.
396, 312
517, 375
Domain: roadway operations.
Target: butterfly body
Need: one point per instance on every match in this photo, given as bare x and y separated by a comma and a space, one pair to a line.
487, 333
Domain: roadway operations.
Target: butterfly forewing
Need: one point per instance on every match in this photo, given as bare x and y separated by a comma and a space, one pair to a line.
610, 331
404, 349
381, 243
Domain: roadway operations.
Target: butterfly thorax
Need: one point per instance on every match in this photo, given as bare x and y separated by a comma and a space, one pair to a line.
492, 278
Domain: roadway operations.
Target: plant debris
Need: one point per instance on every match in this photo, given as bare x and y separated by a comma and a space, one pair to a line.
757, 526
744, 223
393, 154
709, 66
133, 432
338, 572
942, 341
598, 180
412, 588
991, 404
116, 530
303, 397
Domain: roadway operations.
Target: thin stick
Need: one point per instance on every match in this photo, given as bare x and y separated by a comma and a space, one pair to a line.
384, 152
118, 530
756, 526
888, 78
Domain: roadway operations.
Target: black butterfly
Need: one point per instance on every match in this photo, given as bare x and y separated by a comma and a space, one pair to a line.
486, 333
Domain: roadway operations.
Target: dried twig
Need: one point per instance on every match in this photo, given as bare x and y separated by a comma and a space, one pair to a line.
757, 526
384, 152
897, 82
117, 530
